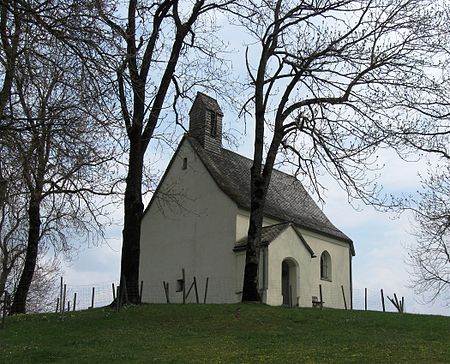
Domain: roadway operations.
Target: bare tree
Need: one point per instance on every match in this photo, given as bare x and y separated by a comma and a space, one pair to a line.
13, 221
12, 247
74, 24
429, 258
332, 82
13, 238
60, 149
154, 44
10, 30
44, 286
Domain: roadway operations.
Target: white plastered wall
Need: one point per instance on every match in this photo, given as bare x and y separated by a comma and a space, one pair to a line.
242, 220
340, 269
190, 224
289, 246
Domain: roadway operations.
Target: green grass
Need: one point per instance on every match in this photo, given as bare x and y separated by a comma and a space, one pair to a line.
225, 334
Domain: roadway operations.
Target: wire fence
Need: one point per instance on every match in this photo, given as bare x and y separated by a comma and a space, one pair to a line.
82, 297
69, 297
371, 299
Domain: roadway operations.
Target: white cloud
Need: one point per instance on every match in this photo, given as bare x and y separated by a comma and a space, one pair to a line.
95, 265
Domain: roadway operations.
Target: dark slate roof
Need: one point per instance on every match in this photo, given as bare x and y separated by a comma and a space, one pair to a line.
287, 199
270, 233
207, 103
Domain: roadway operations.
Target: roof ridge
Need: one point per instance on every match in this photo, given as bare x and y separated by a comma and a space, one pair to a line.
222, 149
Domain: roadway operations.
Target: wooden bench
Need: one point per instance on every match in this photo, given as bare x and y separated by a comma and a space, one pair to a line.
316, 302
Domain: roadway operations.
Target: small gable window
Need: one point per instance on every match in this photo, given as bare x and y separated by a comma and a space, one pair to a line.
325, 266
213, 117
184, 163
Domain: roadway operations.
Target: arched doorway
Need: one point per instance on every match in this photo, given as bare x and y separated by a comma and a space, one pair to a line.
289, 282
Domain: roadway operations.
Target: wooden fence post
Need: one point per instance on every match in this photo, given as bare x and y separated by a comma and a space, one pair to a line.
93, 297
343, 296
397, 303
183, 274
196, 291
206, 290
113, 291
63, 302
365, 299
382, 300
321, 296
74, 301
61, 294
166, 290
140, 292
189, 290
57, 305
118, 298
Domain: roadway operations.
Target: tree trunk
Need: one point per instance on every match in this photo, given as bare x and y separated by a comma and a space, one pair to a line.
31, 254
10, 44
134, 209
250, 291
4, 276
259, 187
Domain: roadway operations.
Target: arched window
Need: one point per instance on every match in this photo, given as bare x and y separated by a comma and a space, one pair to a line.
325, 266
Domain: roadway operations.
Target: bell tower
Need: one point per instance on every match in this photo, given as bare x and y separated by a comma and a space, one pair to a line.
205, 122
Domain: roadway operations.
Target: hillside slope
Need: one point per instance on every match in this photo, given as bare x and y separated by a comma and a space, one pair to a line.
225, 334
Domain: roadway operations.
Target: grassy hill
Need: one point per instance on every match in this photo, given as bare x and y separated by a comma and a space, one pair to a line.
225, 334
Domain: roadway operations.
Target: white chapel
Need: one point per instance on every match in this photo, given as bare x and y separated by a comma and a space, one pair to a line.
197, 220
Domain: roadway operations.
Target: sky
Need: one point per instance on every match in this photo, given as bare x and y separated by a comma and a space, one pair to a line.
380, 239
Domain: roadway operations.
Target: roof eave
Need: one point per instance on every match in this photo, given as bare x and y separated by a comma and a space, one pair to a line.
317, 231
302, 239
243, 247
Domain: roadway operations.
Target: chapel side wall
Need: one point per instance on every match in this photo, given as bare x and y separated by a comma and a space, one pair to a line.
340, 269
191, 225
